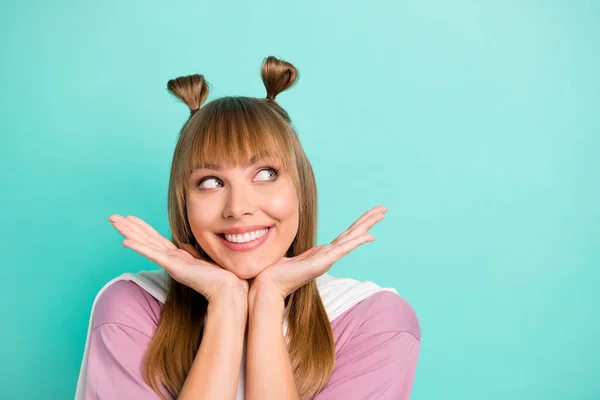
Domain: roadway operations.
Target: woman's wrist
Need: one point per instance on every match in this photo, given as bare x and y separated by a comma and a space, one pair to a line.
264, 300
233, 302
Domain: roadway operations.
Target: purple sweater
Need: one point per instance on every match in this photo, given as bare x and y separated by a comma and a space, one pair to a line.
377, 345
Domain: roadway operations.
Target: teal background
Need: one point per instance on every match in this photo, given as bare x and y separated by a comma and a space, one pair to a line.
476, 123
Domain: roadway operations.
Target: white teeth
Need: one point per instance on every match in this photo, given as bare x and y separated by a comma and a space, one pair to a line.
246, 237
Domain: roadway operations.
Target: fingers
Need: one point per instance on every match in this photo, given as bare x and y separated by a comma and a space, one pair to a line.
143, 232
328, 255
157, 256
363, 224
151, 231
372, 211
129, 231
343, 248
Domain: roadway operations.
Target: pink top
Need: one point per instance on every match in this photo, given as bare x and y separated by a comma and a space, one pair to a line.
377, 345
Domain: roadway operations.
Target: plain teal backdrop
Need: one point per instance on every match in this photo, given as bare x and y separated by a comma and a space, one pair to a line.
476, 123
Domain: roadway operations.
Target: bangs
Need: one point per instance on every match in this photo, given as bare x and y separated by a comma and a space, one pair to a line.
238, 131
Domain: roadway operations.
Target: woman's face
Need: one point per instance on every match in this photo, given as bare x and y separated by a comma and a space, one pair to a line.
244, 217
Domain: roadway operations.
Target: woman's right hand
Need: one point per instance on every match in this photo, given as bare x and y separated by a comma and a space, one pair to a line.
184, 264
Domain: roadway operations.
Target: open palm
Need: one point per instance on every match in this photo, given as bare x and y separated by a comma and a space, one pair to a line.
289, 274
184, 264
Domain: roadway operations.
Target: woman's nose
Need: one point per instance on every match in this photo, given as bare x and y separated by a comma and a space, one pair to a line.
240, 202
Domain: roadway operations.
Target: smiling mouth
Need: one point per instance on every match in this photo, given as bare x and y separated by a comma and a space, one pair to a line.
247, 241
245, 237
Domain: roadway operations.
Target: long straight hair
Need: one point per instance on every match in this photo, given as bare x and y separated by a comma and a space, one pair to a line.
228, 131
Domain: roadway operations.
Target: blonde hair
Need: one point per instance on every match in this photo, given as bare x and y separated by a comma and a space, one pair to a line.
230, 130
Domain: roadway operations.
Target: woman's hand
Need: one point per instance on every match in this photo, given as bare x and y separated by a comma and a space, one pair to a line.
184, 264
289, 274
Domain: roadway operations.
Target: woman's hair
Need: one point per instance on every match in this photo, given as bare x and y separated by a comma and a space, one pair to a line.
228, 131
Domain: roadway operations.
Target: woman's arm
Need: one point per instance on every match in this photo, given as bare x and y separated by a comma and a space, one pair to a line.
268, 369
215, 371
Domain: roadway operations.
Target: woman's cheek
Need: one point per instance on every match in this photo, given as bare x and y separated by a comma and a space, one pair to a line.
200, 215
283, 202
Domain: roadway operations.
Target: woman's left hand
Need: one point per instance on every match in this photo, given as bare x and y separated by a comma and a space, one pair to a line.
287, 275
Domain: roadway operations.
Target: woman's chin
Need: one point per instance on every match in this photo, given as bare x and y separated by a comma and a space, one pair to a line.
246, 271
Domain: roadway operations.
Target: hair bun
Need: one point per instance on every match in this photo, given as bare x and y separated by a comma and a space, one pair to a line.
277, 75
190, 89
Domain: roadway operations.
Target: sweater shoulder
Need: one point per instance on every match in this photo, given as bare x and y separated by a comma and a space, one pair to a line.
125, 302
383, 311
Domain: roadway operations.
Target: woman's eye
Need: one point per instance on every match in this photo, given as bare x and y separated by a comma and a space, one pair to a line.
209, 183
268, 174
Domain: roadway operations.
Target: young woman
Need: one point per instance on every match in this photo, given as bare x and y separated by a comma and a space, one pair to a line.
243, 306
